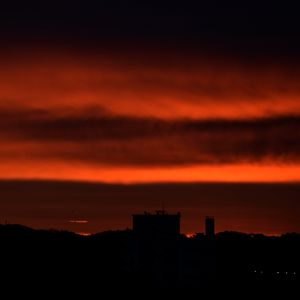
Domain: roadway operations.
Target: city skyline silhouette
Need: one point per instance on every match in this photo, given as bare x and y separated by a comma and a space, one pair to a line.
153, 254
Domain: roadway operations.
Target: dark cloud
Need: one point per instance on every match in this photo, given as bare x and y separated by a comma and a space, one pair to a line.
102, 138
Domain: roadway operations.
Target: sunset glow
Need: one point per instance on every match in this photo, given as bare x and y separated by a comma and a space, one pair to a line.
219, 173
148, 120
147, 115
152, 144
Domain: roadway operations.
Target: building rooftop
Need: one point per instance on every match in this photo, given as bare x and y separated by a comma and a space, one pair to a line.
160, 223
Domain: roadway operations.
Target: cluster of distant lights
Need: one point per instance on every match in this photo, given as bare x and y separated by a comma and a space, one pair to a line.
278, 272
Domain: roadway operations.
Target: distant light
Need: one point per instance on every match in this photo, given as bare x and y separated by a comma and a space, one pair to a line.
261, 272
254, 271
78, 221
294, 273
277, 272
190, 235
84, 233
286, 273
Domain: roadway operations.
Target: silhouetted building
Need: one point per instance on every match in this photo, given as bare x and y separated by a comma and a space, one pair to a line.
209, 226
158, 224
156, 248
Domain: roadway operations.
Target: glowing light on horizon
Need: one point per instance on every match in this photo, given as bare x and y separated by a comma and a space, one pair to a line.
78, 221
190, 235
84, 233
243, 173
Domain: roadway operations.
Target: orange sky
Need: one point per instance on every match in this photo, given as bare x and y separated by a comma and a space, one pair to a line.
161, 87
149, 119
204, 173
106, 111
57, 91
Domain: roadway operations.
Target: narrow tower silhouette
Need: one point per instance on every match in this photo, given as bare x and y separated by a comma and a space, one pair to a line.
210, 226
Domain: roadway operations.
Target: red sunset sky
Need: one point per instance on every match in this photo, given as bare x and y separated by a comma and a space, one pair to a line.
99, 123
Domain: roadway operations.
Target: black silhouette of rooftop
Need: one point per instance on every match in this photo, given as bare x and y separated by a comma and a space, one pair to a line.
159, 224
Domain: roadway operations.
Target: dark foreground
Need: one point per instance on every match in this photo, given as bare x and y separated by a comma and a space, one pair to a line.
121, 258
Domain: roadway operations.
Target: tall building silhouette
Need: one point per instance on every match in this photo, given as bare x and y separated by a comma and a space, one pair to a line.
156, 247
158, 224
209, 226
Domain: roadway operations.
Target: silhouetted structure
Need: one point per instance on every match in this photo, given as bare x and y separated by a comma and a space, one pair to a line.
156, 248
133, 259
158, 224
210, 226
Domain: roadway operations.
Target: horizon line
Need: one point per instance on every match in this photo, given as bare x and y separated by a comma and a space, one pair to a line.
163, 182
187, 234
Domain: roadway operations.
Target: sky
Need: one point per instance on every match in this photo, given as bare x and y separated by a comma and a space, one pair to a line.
194, 105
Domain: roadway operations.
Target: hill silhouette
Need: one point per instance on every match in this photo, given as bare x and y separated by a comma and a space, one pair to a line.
121, 258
